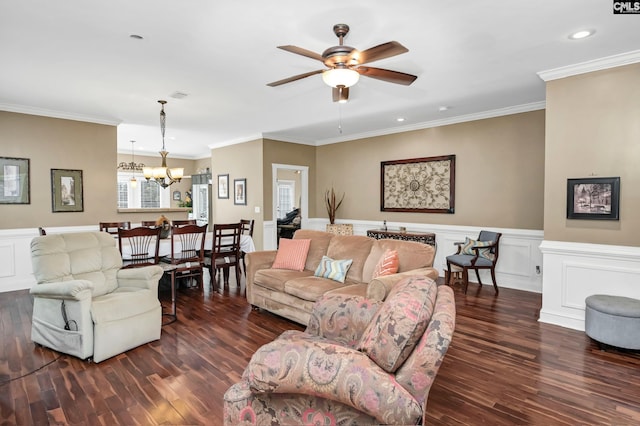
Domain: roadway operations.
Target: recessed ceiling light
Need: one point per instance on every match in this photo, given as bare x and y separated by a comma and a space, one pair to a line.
136, 36
400, 119
443, 108
582, 34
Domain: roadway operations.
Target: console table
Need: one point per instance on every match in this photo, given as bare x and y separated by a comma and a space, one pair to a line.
421, 237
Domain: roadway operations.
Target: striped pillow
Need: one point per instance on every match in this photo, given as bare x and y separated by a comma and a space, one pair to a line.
333, 269
387, 265
469, 245
292, 254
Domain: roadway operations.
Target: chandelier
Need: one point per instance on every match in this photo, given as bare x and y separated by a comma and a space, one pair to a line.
163, 175
132, 166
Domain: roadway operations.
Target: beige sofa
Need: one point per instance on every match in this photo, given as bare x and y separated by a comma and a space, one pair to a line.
291, 294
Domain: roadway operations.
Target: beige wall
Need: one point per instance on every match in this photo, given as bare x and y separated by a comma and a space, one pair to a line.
593, 129
499, 172
276, 152
239, 161
52, 143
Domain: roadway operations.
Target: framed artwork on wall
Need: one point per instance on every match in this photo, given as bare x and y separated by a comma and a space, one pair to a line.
177, 195
223, 186
66, 191
420, 185
593, 198
15, 186
240, 192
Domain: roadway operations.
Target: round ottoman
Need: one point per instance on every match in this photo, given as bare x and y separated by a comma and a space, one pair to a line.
613, 320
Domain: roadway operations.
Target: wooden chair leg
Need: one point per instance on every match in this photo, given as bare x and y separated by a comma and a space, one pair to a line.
493, 278
478, 276
465, 279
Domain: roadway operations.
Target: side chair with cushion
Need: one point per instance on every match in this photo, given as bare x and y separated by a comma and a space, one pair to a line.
476, 255
187, 251
359, 361
85, 304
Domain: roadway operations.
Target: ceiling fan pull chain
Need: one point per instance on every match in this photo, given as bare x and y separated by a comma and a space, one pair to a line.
340, 118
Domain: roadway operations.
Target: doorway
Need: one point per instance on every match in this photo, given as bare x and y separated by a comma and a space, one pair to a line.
288, 174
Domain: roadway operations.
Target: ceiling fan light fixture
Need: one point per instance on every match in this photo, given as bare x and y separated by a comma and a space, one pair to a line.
336, 77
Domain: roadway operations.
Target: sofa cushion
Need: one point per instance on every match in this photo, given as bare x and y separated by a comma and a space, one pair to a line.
275, 279
387, 265
292, 254
354, 247
333, 269
400, 322
318, 248
411, 255
310, 288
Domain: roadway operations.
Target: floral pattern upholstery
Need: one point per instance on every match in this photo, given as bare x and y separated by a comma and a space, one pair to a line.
318, 377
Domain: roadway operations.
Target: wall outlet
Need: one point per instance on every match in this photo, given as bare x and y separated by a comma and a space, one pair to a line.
538, 269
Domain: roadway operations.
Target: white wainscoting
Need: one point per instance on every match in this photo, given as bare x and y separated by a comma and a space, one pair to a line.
519, 253
16, 272
574, 271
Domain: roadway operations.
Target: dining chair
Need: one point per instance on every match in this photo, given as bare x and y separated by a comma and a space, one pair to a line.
475, 255
226, 251
246, 228
187, 252
148, 223
41, 231
112, 227
140, 247
176, 223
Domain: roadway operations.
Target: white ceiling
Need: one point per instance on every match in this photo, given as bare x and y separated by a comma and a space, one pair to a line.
74, 59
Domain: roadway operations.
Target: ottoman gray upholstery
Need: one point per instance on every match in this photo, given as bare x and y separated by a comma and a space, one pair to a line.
613, 320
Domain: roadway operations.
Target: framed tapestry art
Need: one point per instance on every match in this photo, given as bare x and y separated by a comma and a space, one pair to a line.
593, 198
66, 191
421, 185
15, 187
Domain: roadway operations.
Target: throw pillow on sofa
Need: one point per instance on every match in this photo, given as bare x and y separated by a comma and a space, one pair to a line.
333, 269
292, 254
387, 265
395, 329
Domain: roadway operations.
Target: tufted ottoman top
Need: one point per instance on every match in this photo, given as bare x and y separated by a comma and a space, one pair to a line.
614, 305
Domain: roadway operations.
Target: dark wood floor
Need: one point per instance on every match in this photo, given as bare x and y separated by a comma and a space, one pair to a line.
503, 368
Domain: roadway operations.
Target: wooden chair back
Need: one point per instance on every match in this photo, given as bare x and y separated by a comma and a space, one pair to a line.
112, 227
176, 223
139, 246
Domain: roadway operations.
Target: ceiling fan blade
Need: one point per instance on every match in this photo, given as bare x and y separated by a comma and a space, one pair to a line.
294, 78
340, 94
303, 52
382, 51
387, 75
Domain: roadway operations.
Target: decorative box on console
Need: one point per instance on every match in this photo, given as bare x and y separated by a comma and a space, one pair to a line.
340, 228
421, 237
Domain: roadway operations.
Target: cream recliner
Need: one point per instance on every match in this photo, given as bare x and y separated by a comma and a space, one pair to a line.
85, 304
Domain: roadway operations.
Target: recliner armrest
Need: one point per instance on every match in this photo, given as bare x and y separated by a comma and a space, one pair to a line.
74, 289
145, 277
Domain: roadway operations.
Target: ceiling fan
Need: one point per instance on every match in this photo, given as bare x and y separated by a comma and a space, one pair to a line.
345, 64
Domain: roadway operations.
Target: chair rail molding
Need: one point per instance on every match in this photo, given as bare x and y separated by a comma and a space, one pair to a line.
574, 271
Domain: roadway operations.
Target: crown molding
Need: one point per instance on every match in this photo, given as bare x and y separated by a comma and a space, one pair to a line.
22, 109
591, 66
517, 109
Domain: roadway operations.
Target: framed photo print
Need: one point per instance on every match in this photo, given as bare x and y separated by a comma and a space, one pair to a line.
223, 186
593, 198
240, 192
66, 191
15, 186
177, 196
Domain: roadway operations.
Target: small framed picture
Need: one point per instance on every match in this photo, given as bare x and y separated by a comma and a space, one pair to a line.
223, 186
66, 191
177, 196
240, 192
14, 181
593, 198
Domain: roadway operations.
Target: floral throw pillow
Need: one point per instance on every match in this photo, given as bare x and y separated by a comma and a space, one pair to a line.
401, 321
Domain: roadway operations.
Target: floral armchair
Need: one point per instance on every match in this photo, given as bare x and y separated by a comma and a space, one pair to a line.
358, 362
